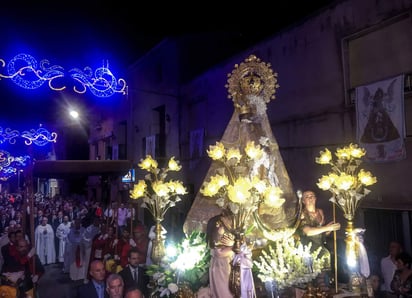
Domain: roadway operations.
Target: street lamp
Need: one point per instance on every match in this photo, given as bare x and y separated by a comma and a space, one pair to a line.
74, 114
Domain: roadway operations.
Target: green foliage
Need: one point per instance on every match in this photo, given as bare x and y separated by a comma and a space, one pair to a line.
189, 264
198, 276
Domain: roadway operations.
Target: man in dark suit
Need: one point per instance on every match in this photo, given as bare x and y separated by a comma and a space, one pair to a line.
134, 274
96, 287
71, 213
38, 218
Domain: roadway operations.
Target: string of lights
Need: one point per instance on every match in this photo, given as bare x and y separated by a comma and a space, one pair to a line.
26, 72
11, 165
40, 136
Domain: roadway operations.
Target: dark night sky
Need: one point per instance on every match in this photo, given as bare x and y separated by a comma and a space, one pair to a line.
88, 33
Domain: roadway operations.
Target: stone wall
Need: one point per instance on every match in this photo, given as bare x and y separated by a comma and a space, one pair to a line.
312, 109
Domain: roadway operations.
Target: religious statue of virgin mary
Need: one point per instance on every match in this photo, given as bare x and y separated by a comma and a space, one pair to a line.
251, 86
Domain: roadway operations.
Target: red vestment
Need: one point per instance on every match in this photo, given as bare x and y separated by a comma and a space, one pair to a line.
123, 247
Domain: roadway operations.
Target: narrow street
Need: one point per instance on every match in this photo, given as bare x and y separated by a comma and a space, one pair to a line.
55, 284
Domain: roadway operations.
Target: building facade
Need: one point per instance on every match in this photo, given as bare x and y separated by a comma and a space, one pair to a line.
322, 62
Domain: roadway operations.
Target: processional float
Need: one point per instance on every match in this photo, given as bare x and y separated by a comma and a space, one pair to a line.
247, 171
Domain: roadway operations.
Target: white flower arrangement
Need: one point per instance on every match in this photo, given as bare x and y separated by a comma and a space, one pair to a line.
288, 263
185, 264
161, 285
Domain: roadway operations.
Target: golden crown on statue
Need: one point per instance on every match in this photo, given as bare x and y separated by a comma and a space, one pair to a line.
250, 84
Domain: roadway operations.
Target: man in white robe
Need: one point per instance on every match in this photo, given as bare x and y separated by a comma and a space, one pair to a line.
44, 242
62, 231
75, 252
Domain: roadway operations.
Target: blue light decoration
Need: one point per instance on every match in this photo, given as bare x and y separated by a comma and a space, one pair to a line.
40, 136
10, 165
8, 135
7, 173
26, 72
102, 83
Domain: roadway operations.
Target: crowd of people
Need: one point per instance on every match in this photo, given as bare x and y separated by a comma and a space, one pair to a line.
112, 286
395, 272
105, 248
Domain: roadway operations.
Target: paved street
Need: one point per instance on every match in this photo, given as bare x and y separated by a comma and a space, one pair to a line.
55, 284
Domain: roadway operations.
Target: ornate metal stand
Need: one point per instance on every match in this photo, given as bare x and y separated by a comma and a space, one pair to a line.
158, 244
184, 291
350, 251
357, 282
234, 278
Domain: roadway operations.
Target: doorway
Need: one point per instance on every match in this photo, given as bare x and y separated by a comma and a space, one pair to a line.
382, 226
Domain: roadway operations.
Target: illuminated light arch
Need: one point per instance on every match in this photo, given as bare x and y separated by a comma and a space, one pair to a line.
8, 135
102, 83
25, 72
40, 136
9, 165
7, 173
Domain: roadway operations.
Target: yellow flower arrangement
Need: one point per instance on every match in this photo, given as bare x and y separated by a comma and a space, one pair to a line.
239, 184
347, 182
158, 194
